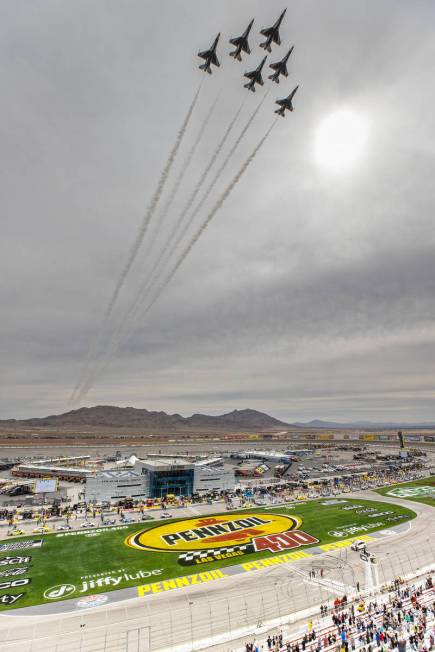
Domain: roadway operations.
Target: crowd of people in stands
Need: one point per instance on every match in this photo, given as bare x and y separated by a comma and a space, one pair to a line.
405, 620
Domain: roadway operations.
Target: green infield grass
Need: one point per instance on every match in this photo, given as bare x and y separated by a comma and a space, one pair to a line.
420, 491
105, 559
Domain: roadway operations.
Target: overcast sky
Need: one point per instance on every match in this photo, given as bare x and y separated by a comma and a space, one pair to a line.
312, 292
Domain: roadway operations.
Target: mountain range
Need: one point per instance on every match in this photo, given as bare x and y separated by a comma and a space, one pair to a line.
110, 416
129, 417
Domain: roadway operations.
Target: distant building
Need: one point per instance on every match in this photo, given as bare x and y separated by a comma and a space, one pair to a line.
210, 461
301, 452
213, 478
166, 476
115, 484
156, 478
73, 474
268, 456
183, 478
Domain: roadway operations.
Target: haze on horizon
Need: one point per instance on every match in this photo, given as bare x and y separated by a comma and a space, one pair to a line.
311, 295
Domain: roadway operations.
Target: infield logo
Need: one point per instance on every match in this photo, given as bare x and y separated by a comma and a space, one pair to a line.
211, 538
411, 492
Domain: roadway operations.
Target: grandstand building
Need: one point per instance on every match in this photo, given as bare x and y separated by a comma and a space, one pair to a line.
114, 485
156, 478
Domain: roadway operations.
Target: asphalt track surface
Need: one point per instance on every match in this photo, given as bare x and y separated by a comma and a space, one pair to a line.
198, 616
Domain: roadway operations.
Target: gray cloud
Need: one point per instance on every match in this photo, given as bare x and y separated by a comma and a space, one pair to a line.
310, 295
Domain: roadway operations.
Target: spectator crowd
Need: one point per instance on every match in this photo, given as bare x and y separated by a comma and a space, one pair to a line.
403, 620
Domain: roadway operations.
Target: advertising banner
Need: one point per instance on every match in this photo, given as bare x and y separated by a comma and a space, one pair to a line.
46, 485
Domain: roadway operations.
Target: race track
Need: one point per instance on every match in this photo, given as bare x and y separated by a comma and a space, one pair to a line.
233, 606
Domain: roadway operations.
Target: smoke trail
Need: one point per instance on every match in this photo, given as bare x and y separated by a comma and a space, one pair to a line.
184, 168
227, 192
174, 239
139, 239
218, 174
155, 271
212, 160
118, 335
189, 157
198, 185
152, 207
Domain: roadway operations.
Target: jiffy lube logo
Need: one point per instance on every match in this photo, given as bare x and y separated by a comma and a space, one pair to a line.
215, 537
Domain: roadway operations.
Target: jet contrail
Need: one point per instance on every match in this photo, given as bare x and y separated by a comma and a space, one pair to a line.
199, 183
155, 271
210, 216
190, 156
152, 207
218, 174
184, 168
174, 239
119, 335
139, 239
171, 245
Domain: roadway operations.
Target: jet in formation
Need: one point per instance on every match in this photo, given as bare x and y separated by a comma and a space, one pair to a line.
286, 103
241, 43
255, 77
280, 67
272, 34
210, 57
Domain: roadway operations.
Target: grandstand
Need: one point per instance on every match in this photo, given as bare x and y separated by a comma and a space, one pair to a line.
404, 616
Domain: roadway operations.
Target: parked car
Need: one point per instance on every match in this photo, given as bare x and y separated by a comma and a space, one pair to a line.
16, 532
41, 529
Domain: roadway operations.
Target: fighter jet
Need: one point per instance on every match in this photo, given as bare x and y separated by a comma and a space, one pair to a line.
280, 67
241, 43
210, 57
255, 77
286, 103
272, 34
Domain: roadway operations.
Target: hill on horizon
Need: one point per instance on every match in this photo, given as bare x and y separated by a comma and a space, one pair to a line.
112, 416
130, 417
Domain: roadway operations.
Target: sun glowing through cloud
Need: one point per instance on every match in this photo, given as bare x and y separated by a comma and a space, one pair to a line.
340, 140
